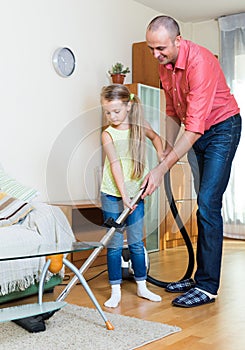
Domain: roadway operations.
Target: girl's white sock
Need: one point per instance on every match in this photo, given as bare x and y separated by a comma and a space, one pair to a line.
144, 292
115, 296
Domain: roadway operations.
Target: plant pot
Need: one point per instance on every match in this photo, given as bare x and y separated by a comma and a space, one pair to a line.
118, 78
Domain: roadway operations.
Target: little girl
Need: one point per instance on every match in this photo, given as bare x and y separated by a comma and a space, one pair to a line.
124, 170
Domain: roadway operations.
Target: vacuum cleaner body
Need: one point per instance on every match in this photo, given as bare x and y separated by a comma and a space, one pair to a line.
126, 263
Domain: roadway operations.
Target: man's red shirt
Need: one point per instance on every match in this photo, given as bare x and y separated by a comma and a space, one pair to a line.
196, 89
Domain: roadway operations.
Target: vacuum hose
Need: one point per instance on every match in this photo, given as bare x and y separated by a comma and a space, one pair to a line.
177, 218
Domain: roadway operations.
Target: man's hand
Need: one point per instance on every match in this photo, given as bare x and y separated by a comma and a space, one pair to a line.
153, 179
172, 155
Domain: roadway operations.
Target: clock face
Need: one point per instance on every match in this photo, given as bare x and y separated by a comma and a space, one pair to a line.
64, 61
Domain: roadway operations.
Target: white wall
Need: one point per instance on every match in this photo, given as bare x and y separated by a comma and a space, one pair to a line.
204, 33
50, 126
45, 118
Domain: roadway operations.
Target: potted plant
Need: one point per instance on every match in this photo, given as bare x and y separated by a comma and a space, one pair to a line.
118, 73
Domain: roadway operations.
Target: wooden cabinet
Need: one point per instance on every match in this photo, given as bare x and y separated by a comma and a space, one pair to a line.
144, 66
145, 70
182, 185
185, 201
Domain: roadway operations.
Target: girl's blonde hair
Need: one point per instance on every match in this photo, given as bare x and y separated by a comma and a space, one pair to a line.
136, 119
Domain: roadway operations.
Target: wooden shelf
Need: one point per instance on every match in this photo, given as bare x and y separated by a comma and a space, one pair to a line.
79, 204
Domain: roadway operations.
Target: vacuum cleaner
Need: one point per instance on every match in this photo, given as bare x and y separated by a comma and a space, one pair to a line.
179, 222
37, 323
127, 270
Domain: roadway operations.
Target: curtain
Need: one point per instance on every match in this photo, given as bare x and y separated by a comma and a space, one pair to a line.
232, 59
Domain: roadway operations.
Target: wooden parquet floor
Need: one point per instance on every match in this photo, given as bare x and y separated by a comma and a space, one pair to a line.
220, 325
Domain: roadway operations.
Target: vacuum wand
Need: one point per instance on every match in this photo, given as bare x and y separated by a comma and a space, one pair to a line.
103, 242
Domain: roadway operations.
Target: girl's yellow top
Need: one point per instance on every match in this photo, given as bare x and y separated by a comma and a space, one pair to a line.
121, 143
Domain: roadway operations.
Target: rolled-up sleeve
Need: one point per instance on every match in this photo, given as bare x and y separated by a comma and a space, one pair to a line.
200, 97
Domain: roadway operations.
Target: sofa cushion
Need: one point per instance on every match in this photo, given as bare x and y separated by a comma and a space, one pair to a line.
9, 185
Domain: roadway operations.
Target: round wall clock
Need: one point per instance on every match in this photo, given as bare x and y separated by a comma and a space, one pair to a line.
64, 61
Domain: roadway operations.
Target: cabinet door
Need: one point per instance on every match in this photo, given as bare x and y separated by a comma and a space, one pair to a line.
151, 100
144, 66
185, 199
181, 181
173, 236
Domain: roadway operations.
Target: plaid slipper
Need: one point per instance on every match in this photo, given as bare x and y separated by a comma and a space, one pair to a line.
193, 297
180, 286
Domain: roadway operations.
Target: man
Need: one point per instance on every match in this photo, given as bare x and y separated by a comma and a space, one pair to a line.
197, 96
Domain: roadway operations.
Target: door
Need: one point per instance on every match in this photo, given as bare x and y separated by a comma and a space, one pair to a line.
150, 99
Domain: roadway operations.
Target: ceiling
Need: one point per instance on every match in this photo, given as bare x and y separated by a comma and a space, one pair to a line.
194, 10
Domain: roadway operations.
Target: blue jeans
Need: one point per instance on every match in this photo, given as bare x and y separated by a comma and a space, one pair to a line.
211, 160
113, 207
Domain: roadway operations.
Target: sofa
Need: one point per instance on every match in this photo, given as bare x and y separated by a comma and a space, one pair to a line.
25, 220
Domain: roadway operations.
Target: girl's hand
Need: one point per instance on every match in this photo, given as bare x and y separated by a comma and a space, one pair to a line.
127, 204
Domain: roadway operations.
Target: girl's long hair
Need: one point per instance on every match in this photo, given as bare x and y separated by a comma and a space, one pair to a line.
136, 119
